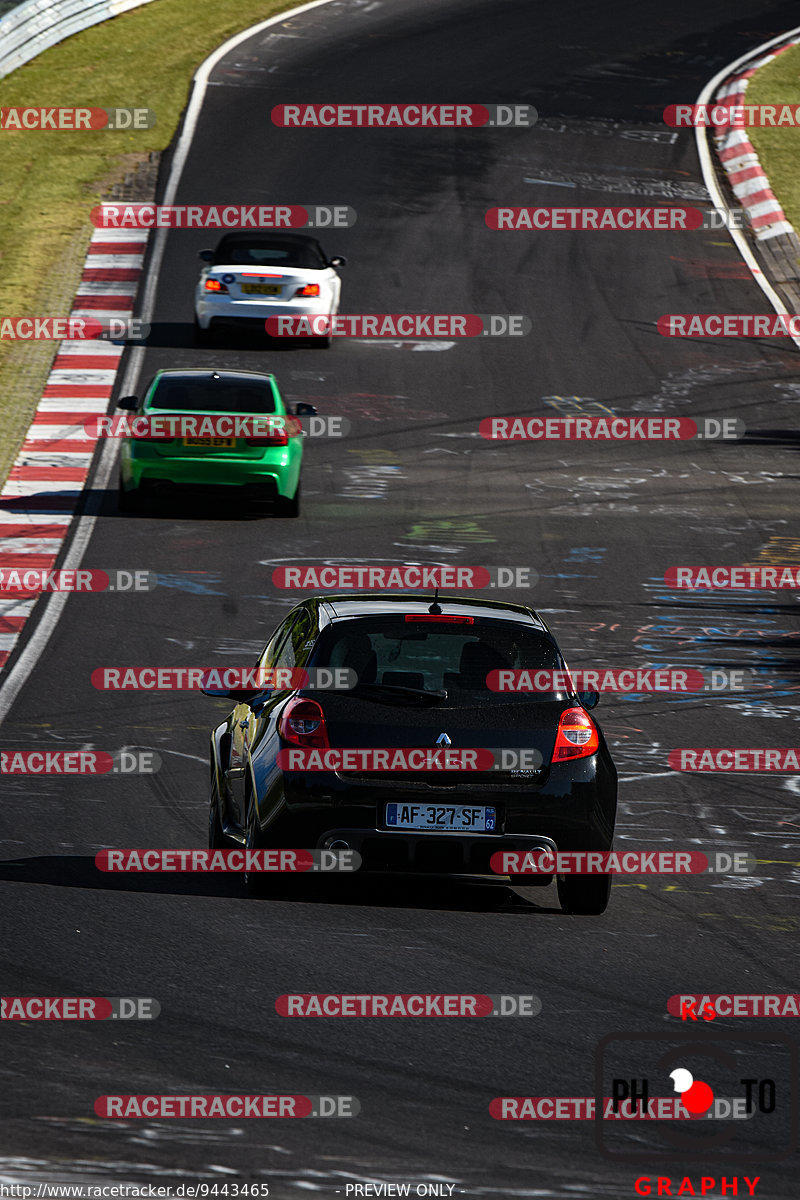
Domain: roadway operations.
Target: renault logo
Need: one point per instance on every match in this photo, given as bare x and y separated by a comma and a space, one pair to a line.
443, 740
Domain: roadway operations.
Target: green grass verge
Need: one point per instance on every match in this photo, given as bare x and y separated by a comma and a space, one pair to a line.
779, 149
50, 180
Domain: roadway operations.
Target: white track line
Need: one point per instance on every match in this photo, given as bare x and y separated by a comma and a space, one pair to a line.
54, 603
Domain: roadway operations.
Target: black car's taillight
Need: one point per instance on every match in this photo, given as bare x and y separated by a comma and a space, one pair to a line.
577, 736
302, 723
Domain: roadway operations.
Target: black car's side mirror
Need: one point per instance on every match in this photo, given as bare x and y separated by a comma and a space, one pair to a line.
589, 699
206, 256
130, 402
301, 409
338, 261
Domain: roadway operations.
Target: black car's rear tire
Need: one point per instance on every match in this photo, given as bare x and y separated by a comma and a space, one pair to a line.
257, 883
584, 895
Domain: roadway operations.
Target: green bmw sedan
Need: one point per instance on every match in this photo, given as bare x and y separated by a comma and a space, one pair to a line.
203, 428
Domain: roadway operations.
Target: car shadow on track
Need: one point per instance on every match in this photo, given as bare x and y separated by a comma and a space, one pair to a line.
437, 893
187, 504
180, 335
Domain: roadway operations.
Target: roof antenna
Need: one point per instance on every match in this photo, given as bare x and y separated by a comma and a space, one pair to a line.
436, 607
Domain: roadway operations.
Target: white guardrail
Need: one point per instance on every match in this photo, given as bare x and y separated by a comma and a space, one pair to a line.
36, 25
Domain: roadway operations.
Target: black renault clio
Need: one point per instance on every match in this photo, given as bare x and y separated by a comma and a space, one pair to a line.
421, 676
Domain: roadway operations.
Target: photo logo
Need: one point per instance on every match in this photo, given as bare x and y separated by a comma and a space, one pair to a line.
738, 1090
697, 1097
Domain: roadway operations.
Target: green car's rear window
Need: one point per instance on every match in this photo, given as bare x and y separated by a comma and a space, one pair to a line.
213, 395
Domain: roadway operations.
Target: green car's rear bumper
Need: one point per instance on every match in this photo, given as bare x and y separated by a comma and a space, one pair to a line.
273, 470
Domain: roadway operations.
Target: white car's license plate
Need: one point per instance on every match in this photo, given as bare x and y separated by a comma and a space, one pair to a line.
461, 818
261, 289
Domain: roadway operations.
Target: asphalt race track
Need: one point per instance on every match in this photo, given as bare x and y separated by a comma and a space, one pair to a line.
599, 522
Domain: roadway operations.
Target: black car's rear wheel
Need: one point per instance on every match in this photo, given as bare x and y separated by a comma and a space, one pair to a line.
257, 883
584, 895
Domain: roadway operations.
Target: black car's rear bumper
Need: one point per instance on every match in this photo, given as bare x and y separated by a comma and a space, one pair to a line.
468, 854
573, 808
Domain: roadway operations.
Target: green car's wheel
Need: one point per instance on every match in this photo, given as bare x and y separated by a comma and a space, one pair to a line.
289, 508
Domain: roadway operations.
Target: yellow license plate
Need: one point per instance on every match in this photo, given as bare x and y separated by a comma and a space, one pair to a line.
261, 289
209, 441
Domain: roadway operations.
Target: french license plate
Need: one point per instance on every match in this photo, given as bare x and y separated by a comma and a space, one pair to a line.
209, 441
451, 817
261, 289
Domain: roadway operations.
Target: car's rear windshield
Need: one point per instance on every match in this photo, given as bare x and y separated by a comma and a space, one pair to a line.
270, 254
391, 651
214, 395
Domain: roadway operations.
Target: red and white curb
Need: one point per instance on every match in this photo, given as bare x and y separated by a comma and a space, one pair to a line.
740, 161
43, 488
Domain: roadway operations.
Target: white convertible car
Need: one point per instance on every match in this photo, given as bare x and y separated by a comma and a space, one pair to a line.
253, 276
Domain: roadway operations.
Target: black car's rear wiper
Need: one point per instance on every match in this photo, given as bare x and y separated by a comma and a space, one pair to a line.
384, 693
